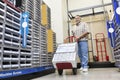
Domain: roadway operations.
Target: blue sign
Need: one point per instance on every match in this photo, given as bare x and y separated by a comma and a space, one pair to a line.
115, 6
111, 32
12, 73
24, 28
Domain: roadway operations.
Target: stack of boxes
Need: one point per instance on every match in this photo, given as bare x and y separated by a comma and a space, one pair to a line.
51, 36
50, 41
45, 16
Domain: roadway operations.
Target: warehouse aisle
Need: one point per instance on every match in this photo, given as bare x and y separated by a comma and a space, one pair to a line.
93, 74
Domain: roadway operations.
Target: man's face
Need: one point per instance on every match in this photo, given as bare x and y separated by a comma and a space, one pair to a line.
77, 19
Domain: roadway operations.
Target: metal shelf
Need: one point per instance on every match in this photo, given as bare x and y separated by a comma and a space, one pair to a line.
6, 66
14, 66
17, 58
35, 45
2, 17
12, 55
117, 36
12, 10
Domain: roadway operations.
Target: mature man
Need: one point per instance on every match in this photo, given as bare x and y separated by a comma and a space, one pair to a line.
81, 31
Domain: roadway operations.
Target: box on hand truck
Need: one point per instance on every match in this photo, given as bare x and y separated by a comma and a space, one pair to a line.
66, 57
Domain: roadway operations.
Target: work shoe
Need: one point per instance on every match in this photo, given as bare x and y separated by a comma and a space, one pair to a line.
85, 70
81, 68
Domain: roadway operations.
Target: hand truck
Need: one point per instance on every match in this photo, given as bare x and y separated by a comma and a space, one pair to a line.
66, 57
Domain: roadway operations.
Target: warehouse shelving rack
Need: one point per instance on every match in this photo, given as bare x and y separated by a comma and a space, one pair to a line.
117, 43
51, 45
49, 17
10, 38
43, 43
49, 58
36, 32
37, 10
28, 5
13, 56
26, 53
36, 44
15, 60
54, 41
116, 23
40, 56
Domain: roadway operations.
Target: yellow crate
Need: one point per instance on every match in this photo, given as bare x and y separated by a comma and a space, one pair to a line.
50, 47
44, 20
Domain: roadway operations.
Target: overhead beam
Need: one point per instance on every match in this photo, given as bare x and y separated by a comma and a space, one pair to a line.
87, 8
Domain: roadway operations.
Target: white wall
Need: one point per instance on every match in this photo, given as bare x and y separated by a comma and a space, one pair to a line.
57, 18
107, 1
65, 19
59, 14
78, 4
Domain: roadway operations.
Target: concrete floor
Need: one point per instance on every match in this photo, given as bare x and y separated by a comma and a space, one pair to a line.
92, 74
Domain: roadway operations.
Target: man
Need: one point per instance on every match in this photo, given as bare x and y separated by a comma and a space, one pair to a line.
81, 31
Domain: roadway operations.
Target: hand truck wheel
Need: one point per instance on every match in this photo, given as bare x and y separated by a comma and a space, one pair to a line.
60, 71
74, 71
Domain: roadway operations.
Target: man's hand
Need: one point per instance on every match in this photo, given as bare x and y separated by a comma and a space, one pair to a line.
79, 38
83, 35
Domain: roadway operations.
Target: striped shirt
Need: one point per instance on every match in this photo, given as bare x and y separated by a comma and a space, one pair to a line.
80, 29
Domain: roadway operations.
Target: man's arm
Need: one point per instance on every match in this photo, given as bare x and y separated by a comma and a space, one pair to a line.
83, 35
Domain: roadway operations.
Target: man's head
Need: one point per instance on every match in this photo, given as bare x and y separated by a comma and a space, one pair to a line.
77, 19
